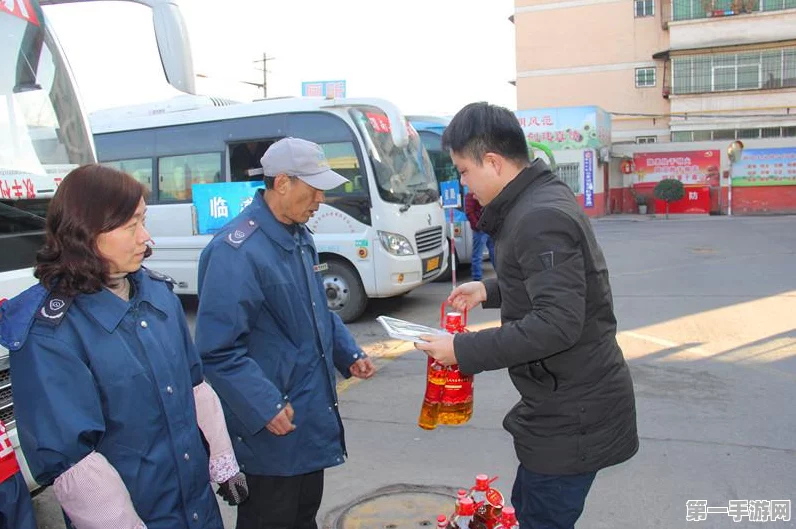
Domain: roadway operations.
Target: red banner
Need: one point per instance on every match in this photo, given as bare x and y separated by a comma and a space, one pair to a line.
379, 122
690, 167
695, 201
20, 8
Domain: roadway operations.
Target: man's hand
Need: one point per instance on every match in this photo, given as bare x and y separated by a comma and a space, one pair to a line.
362, 368
235, 490
468, 295
439, 346
282, 424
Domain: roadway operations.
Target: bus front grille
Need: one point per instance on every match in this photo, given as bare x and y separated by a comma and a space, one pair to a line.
6, 398
429, 239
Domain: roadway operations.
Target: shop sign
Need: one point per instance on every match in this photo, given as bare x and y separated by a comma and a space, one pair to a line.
567, 127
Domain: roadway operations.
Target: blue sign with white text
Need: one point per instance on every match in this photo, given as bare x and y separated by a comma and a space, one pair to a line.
217, 204
588, 179
451, 194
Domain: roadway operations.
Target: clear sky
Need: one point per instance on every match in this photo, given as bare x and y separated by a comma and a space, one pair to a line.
427, 56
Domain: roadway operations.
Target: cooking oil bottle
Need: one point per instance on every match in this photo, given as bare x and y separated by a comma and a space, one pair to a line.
435, 383
457, 395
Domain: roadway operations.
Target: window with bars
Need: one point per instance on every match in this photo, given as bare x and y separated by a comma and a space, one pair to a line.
569, 173
644, 8
736, 134
746, 70
693, 9
645, 77
646, 139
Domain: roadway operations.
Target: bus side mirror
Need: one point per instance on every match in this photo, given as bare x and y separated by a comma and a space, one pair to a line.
173, 45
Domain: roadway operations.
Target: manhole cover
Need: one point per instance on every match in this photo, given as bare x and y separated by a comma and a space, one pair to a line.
395, 507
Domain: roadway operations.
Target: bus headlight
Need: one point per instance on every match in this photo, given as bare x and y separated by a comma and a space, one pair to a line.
395, 244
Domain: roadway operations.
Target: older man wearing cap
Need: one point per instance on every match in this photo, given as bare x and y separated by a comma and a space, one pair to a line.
270, 344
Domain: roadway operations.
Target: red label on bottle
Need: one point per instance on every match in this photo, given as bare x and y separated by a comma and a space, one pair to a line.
458, 387
494, 497
434, 393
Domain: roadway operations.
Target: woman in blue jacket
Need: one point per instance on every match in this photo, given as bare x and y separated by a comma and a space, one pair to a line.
110, 401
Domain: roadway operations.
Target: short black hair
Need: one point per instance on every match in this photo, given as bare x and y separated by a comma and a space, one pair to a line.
480, 128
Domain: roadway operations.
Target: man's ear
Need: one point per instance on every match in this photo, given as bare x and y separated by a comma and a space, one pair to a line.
493, 160
281, 183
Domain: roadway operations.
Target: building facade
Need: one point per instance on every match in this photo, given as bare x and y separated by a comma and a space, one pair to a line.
690, 73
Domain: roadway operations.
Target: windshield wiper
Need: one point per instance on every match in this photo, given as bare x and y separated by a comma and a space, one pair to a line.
408, 202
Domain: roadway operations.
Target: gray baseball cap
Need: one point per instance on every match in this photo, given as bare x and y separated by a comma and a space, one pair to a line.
304, 160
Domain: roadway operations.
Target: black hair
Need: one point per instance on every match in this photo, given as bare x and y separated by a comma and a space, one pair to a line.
480, 128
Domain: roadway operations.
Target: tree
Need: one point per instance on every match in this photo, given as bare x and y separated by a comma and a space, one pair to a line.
669, 190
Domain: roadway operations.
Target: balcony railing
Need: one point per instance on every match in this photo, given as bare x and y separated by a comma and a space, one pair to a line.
676, 10
769, 69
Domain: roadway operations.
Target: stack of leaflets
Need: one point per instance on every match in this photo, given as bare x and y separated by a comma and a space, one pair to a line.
405, 330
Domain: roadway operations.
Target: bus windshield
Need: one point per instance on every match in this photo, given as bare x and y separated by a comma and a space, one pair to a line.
43, 133
403, 174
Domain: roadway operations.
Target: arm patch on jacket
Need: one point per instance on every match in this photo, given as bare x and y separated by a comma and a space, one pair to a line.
240, 233
548, 259
54, 308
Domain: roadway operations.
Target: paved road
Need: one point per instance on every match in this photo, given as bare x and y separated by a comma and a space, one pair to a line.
706, 314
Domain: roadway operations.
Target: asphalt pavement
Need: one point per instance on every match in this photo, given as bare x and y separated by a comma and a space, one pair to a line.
707, 320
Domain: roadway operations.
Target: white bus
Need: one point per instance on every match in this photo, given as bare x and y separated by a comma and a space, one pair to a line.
44, 134
381, 234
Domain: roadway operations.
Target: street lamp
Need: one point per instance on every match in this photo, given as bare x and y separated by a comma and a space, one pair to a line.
734, 153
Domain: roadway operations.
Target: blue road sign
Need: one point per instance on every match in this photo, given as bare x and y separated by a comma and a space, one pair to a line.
451, 194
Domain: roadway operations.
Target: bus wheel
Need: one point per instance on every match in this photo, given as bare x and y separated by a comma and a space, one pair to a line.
345, 294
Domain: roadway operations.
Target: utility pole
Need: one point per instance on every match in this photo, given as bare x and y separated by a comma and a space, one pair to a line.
264, 60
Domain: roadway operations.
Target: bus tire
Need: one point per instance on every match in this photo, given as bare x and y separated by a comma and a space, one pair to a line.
345, 294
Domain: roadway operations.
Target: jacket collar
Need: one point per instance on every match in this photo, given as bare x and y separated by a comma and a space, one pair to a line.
496, 211
275, 230
109, 310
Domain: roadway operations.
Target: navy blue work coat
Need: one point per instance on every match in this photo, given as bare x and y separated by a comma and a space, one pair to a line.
267, 337
97, 373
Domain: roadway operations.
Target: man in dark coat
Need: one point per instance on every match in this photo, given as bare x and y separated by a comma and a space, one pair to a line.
577, 410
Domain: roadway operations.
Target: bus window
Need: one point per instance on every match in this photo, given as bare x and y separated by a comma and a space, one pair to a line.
21, 232
178, 173
245, 156
140, 169
351, 198
444, 169
343, 159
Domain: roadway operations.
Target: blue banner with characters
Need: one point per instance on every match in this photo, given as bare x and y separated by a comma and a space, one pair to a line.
217, 204
588, 179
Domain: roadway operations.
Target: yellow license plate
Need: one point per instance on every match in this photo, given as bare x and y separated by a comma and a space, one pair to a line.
432, 264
